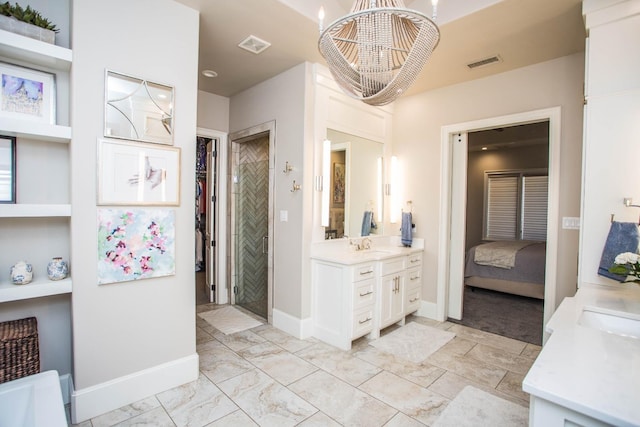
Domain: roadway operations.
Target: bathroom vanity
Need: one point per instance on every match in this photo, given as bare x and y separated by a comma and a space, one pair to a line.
588, 372
361, 291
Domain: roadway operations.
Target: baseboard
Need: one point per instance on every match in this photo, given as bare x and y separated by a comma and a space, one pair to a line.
299, 328
101, 398
428, 309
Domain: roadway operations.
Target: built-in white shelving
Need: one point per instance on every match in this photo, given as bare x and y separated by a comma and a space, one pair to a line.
36, 54
34, 211
37, 288
34, 130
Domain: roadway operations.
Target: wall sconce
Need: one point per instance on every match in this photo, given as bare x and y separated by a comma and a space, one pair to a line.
394, 191
380, 190
326, 182
287, 168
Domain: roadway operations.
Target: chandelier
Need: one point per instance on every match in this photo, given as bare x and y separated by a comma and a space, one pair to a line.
376, 51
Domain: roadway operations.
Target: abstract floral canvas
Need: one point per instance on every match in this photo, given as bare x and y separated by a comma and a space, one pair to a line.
135, 244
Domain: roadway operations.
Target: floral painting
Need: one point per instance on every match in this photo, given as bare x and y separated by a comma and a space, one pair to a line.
135, 244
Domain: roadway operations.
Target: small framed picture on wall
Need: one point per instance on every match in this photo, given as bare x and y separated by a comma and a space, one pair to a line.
7, 169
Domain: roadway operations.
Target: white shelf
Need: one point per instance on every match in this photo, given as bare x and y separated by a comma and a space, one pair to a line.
35, 130
20, 210
37, 288
34, 51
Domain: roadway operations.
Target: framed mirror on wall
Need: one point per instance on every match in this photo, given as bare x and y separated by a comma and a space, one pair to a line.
137, 109
355, 186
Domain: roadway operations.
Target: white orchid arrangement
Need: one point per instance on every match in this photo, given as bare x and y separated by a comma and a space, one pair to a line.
627, 264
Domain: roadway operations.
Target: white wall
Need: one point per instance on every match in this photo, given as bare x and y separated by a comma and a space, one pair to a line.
612, 139
283, 98
418, 121
213, 111
130, 339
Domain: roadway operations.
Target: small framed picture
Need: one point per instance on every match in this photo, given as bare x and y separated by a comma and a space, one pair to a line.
27, 94
7, 169
138, 174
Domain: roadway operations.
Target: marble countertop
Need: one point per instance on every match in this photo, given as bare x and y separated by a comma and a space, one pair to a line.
341, 252
589, 370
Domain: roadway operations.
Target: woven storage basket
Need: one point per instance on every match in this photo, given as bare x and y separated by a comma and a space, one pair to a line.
19, 351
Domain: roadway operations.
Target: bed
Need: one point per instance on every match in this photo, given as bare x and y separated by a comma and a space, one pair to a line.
525, 277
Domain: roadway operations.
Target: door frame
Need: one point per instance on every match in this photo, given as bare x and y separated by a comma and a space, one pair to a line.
237, 138
453, 199
221, 292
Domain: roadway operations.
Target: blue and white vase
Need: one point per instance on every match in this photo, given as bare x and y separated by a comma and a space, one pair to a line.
21, 273
57, 269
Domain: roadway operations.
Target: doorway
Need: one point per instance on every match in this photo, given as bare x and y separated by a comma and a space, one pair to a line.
251, 218
453, 209
210, 279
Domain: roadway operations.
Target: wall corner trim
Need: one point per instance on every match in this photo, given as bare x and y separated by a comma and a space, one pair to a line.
101, 398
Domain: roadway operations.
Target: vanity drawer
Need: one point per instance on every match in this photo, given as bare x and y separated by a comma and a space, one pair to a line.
415, 260
414, 276
364, 294
362, 322
363, 272
393, 265
412, 299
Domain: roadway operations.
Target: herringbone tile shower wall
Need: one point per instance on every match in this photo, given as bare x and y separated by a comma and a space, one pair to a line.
252, 220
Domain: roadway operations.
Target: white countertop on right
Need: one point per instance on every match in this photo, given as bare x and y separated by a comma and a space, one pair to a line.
585, 368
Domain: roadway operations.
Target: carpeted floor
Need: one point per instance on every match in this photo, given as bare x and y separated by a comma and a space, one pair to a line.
503, 314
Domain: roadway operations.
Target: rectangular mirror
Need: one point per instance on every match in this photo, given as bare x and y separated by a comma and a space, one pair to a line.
138, 109
355, 193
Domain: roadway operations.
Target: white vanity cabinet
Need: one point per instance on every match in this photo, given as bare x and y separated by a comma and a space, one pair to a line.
413, 287
359, 294
344, 301
392, 290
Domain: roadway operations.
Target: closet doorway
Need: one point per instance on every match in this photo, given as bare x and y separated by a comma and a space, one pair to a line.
210, 279
251, 218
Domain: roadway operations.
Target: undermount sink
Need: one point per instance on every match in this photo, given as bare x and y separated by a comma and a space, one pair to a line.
611, 321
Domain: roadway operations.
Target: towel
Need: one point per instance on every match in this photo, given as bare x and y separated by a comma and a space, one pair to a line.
406, 229
367, 220
623, 237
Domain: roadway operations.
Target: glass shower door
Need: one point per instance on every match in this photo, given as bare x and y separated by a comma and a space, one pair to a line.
252, 226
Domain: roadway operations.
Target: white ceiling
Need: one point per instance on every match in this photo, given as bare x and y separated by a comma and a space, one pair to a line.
522, 32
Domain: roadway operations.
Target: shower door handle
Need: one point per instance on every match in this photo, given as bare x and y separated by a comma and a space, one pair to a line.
265, 239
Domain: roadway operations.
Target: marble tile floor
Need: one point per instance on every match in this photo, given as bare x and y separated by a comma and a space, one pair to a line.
264, 377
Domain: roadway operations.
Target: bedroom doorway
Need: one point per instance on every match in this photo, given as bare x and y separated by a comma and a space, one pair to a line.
506, 204
452, 235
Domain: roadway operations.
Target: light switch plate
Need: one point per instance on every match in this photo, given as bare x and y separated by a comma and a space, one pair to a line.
284, 216
570, 223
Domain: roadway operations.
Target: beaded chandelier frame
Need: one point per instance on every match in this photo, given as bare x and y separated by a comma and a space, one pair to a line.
377, 51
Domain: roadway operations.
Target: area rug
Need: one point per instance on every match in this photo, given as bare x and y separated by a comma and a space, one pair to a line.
413, 341
503, 314
473, 407
229, 320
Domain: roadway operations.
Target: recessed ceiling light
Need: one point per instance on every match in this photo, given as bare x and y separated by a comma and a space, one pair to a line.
209, 73
485, 148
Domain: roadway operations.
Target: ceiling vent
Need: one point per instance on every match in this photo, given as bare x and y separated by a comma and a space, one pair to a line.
484, 62
254, 44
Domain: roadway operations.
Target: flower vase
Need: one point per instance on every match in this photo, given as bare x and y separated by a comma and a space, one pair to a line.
57, 269
21, 273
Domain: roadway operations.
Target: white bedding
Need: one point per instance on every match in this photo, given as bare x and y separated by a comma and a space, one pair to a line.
500, 254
